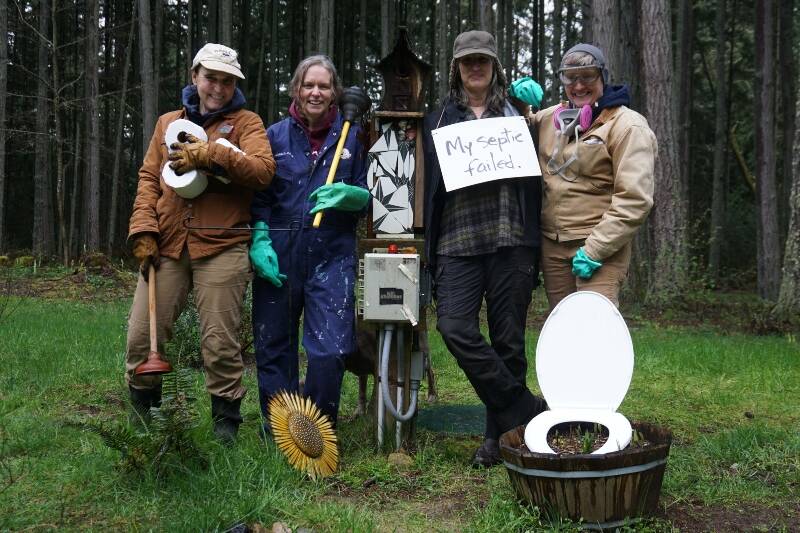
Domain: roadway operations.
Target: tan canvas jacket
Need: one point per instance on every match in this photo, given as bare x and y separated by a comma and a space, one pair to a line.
160, 210
608, 190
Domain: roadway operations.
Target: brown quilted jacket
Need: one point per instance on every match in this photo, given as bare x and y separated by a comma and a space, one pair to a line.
158, 209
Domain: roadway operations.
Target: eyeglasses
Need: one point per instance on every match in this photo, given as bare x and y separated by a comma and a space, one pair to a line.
585, 79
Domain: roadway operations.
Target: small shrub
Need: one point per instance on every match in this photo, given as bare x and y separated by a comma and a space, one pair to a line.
167, 443
24, 261
185, 343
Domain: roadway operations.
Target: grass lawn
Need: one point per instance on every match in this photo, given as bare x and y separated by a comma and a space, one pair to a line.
731, 400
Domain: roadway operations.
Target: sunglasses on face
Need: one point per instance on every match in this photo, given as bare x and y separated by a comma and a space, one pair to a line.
587, 78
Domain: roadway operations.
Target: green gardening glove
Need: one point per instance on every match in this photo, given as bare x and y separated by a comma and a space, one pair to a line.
339, 196
584, 266
263, 256
527, 90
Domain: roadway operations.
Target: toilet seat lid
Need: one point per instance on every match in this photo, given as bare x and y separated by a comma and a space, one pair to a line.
584, 356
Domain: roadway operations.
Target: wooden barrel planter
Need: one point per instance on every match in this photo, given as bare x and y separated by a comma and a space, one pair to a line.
604, 491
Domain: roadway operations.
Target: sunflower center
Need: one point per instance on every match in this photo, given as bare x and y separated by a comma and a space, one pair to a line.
305, 434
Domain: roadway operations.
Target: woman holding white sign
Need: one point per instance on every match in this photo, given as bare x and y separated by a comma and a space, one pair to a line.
482, 241
597, 157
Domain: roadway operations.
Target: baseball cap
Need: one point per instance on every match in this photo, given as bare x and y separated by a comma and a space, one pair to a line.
474, 42
218, 57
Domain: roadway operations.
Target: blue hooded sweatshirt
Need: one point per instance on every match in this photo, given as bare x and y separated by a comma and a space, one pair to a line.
613, 96
191, 101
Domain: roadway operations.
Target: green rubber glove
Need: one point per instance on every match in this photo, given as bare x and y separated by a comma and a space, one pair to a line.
263, 256
339, 196
584, 266
527, 90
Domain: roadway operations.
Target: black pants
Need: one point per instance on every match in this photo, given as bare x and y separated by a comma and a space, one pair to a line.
496, 371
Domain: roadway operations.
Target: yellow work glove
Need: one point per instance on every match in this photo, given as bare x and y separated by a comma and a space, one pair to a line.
189, 155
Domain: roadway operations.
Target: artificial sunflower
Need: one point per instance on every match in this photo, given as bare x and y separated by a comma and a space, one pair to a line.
303, 434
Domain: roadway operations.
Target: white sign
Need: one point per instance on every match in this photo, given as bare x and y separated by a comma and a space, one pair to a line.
477, 151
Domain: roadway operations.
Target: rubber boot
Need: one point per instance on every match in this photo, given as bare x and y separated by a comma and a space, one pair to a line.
141, 402
226, 417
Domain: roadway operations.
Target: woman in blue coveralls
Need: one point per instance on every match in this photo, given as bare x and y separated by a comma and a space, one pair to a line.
300, 269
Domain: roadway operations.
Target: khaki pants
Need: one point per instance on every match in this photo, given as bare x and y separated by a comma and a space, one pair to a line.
219, 284
560, 282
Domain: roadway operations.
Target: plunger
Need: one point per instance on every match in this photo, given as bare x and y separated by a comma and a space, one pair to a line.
154, 364
354, 103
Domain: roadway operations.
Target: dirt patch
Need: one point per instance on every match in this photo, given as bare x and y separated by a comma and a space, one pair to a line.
102, 283
698, 518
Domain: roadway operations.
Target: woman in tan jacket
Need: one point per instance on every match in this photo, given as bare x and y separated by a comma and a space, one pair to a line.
211, 258
597, 159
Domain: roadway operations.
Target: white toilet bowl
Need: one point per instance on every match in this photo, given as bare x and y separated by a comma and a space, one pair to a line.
584, 365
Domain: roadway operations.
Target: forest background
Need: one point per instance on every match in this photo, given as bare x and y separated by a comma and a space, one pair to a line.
83, 81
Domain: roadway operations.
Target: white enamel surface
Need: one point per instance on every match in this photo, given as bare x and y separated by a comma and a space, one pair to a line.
584, 357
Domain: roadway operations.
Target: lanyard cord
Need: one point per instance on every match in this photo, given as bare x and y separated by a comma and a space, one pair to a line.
563, 139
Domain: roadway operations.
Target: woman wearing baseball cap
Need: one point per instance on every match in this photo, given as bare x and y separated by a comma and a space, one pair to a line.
214, 262
483, 242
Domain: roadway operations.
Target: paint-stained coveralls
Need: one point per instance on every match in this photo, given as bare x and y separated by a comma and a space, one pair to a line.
320, 265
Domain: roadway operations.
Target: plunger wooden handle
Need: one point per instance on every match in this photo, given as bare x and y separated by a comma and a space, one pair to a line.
334, 166
151, 306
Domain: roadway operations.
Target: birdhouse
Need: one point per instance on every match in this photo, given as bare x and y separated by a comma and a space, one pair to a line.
404, 76
395, 175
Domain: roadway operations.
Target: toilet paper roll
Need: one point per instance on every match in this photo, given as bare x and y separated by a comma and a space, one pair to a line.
188, 185
227, 143
182, 125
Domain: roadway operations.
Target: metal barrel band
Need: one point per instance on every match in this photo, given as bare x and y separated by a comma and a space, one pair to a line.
585, 473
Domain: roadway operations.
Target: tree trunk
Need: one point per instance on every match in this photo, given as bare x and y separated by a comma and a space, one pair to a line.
63, 243
226, 23
586, 21
362, 42
146, 72
76, 179
669, 215
3, 97
112, 222
42, 241
158, 45
685, 37
325, 27
510, 30
615, 26
767, 227
442, 47
788, 305
262, 58
555, 61
274, 66
92, 193
386, 7
788, 77
487, 15
569, 24
716, 233
312, 18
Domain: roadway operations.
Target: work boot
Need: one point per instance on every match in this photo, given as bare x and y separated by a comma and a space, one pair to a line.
141, 402
487, 455
226, 417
